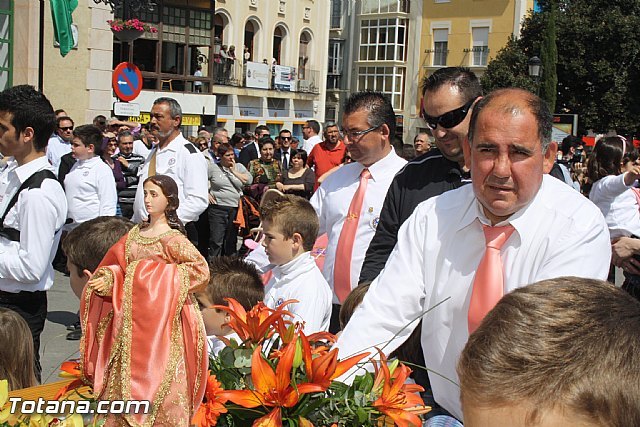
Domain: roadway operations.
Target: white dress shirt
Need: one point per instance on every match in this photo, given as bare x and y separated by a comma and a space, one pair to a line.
39, 215
56, 148
560, 233
91, 190
140, 148
189, 171
618, 204
332, 199
311, 142
301, 279
216, 344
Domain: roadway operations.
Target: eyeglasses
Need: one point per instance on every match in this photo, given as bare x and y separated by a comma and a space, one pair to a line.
66, 128
450, 118
355, 136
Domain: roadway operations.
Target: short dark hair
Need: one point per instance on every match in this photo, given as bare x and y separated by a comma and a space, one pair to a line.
292, 214
231, 277
29, 108
569, 142
300, 152
513, 99
124, 133
284, 131
460, 77
568, 343
260, 128
266, 140
314, 125
223, 149
89, 134
58, 111
88, 243
379, 109
64, 119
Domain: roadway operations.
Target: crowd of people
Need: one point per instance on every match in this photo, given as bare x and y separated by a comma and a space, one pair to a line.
482, 258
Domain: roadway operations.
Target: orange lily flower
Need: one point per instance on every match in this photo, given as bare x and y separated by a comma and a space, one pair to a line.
254, 325
209, 411
69, 369
324, 368
397, 396
272, 389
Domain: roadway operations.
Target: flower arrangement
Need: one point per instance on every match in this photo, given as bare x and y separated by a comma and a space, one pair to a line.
118, 25
278, 376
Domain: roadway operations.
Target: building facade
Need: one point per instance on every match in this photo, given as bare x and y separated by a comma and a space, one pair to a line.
279, 75
390, 45
189, 58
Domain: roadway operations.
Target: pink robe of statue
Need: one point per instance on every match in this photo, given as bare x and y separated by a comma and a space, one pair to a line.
145, 340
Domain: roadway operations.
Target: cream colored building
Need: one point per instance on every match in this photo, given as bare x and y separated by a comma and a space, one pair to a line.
191, 35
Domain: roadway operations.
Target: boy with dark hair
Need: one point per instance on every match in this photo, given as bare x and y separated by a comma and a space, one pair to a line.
90, 186
559, 352
87, 244
33, 207
234, 278
290, 226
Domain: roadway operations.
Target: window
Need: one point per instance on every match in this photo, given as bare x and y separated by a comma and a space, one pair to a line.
335, 57
336, 14
440, 47
187, 44
383, 39
6, 44
480, 50
385, 6
388, 80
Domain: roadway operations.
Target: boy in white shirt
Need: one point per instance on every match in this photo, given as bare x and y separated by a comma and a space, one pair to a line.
230, 278
290, 226
90, 186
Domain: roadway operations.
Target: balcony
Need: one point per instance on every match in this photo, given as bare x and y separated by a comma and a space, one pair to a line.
259, 75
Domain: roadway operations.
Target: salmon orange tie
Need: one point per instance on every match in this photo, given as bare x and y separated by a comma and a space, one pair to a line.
488, 285
344, 251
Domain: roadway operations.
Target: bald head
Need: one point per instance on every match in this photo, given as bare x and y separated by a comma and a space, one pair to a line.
514, 102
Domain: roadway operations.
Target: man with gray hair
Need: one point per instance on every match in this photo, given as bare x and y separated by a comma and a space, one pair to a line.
421, 143
459, 252
178, 158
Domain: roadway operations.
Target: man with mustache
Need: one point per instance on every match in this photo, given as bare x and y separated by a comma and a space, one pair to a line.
459, 252
178, 158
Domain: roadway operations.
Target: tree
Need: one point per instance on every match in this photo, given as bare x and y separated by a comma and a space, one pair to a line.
508, 69
549, 57
598, 67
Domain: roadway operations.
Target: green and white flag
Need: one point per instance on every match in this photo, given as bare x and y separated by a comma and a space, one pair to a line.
61, 11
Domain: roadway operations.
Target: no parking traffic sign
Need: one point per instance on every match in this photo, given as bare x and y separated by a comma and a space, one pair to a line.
126, 81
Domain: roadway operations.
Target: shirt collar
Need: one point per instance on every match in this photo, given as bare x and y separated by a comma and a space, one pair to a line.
380, 168
173, 145
25, 171
296, 265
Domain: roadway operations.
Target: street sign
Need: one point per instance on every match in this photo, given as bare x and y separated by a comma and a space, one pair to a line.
126, 81
126, 109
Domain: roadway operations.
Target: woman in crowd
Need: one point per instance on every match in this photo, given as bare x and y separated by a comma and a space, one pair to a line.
299, 179
226, 180
265, 169
109, 147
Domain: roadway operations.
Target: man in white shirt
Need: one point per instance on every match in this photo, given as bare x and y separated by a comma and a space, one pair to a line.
178, 158
311, 134
557, 232
33, 207
60, 143
368, 125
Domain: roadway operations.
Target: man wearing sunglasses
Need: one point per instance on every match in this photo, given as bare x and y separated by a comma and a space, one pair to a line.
449, 94
60, 143
283, 154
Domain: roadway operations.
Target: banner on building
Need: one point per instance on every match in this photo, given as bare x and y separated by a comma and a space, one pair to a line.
285, 78
258, 75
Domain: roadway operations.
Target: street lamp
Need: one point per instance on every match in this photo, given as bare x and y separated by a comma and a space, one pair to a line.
535, 71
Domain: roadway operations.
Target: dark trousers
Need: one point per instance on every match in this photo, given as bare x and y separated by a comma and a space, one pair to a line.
32, 307
126, 210
192, 232
202, 228
223, 235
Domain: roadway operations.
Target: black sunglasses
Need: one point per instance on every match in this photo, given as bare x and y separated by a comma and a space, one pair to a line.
450, 118
66, 128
